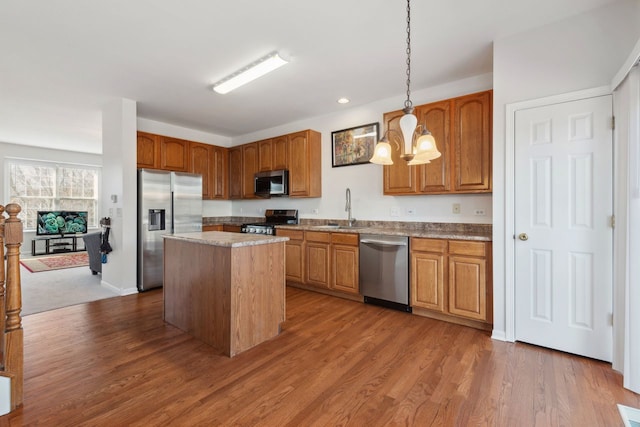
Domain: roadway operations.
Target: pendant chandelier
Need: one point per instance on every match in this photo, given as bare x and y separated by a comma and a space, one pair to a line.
424, 149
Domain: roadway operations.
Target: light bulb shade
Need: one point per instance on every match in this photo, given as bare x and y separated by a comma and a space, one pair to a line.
408, 124
426, 148
418, 161
382, 154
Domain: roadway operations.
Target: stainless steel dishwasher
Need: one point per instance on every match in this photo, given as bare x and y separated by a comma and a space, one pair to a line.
384, 270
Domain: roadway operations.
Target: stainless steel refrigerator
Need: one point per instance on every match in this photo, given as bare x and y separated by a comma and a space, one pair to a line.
168, 203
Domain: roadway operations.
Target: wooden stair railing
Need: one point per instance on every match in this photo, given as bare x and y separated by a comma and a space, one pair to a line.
11, 342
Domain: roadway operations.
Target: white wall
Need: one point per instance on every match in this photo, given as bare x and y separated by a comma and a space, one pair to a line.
120, 179
365, 181
579, 53
36, 153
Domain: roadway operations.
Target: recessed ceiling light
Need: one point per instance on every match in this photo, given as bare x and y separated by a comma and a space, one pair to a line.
343, 101
249, 73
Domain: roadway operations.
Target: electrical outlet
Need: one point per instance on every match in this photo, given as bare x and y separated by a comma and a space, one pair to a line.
394, 212
479, 212
411, 211
258, 210
455, 208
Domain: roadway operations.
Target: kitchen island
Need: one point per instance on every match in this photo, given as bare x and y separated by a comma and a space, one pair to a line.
225, 289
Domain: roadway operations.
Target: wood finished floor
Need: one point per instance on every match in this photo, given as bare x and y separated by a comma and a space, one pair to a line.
115, 362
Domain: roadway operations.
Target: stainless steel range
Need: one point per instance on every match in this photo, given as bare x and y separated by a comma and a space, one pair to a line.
272, 217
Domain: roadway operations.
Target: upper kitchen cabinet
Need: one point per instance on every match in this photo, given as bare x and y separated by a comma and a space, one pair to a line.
279, 151
462, 130
265, 155
211, 162
299, 153
472, 143
174, 154
304, 164
434, 177
250, 159
235, 172
220, 173
201, 156
148, 148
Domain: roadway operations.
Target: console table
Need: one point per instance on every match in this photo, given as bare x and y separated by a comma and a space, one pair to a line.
57, 244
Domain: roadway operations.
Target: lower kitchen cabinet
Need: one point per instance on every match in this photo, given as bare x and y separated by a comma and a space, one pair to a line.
427, 273
345, 255
317, 258
293, 255
468, 280
214, 227
232, 228
322, 260
451, 279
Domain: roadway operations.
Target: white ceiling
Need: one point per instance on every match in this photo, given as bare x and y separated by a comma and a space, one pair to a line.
61, 61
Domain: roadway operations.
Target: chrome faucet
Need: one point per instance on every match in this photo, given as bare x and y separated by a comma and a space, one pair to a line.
347, 208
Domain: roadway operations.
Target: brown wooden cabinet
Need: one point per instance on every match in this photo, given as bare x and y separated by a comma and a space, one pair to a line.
299, 152
472, 143
323, 260
345, 263
265, 155
231, 228
468, 279
220, 173
462, 130
214, 227
235, 172
317, 258
201, 162
148, 150
249, 169
174, 154
166, 153
428, 273
451, 280
305, 175
280, 150
294, 255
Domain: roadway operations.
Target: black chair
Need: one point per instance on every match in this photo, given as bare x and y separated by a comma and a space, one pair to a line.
92, 243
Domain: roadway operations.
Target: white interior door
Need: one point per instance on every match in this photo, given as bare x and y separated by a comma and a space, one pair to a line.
563, 234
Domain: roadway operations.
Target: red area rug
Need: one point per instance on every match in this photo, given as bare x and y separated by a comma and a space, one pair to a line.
57, 262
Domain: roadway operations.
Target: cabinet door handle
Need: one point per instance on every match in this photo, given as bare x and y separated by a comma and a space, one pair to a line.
523, 236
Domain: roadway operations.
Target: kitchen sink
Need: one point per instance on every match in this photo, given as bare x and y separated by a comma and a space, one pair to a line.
336, 227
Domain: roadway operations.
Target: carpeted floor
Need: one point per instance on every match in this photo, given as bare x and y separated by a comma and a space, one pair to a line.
49, 290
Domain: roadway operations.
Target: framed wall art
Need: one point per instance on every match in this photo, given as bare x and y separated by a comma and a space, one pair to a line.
354, 146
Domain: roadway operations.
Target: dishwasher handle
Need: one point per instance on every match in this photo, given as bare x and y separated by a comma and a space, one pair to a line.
383, 242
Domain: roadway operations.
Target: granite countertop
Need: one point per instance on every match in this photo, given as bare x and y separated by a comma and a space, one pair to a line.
477, 232
231, 220
221, 238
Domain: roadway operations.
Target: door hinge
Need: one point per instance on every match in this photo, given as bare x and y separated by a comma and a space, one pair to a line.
611, 319
612, 221
613, 122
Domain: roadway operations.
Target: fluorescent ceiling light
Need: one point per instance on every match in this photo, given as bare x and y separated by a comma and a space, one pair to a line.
249, 73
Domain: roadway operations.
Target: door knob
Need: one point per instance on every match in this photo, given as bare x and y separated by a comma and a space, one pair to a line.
523, 236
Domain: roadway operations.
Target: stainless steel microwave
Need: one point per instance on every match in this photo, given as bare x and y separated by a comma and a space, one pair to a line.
272, 183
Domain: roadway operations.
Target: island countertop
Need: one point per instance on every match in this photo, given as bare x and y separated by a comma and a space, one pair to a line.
226, 239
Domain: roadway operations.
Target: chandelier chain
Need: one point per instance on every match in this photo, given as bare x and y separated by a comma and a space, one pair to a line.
408, 103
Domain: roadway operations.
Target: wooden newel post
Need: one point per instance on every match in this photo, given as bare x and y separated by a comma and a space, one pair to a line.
3, 312
14, 346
